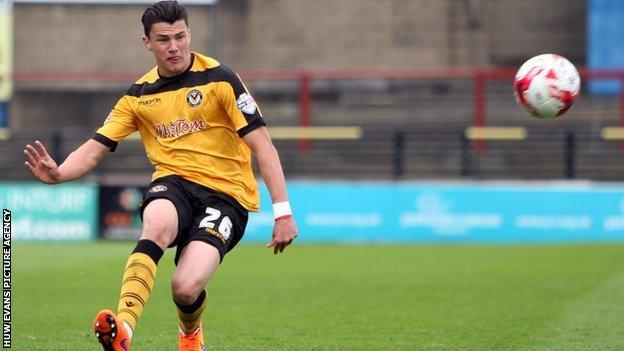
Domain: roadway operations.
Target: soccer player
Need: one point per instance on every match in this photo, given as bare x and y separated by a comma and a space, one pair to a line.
199, 125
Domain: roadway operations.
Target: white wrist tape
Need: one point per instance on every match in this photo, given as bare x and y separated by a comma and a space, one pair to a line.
281, 209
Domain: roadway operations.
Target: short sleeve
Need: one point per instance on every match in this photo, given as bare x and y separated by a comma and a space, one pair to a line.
239, 105
119, 124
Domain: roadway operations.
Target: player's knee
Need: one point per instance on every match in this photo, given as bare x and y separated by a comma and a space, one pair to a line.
184, 292
160, 222
160, 231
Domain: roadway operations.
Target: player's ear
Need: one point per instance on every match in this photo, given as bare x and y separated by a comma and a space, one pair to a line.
147, 43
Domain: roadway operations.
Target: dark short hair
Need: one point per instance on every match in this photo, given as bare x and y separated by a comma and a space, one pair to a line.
163, 11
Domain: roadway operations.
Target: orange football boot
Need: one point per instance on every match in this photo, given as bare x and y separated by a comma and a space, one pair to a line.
193, 341
110, 332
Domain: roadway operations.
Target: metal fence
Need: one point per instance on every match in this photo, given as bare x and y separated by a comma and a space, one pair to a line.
384, 155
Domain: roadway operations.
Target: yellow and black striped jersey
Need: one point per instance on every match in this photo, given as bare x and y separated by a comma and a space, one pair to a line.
191, 125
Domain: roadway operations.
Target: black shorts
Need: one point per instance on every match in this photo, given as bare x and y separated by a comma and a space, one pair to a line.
203, 214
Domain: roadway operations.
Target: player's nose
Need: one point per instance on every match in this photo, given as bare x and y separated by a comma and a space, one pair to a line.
173, 46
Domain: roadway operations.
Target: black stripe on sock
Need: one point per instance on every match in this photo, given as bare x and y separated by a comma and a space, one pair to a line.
149, 248
144, 266
140, 280
195, 305
134, 296
131, 313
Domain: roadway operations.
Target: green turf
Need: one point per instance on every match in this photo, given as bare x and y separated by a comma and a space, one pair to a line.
408, 297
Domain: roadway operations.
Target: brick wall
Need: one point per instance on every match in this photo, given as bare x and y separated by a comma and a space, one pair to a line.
311, 35
275, 35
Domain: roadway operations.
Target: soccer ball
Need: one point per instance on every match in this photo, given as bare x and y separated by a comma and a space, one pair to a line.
547, 85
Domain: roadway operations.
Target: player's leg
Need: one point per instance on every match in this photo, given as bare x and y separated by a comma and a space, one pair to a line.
160, 228
217, 228
198, 261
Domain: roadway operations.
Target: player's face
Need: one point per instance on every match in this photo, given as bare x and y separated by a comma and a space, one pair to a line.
170, 44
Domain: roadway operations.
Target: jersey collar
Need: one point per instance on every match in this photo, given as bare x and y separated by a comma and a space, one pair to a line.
181, 75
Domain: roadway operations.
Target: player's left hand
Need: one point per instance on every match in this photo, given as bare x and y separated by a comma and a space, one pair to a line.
41, 164
284, 232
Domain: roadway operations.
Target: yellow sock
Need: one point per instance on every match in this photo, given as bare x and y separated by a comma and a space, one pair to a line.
138, 281
190, 316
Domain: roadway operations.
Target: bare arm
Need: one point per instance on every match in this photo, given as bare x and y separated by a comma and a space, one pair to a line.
78, 163
285, 229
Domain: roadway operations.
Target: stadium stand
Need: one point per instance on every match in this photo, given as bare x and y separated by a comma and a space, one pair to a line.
411, 93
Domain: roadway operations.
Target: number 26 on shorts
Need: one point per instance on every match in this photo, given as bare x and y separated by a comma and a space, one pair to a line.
213, 214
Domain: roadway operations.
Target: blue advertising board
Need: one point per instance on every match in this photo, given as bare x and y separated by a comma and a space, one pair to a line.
464, 212
64, 212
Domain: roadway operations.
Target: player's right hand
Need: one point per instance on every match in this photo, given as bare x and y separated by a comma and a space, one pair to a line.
42, 166
284, 232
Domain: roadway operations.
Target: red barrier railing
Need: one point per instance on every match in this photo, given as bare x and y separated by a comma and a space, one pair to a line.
305, 79
482, 77
305, 108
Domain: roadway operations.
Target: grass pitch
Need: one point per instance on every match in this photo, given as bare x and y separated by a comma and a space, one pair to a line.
340, 297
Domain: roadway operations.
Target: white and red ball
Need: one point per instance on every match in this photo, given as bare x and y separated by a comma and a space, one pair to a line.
547, 85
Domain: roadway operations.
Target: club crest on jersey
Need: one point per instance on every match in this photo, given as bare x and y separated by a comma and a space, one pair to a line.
246, 104
194, 98
158, 189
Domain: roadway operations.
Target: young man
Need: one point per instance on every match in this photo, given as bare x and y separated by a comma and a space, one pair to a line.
198, 123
